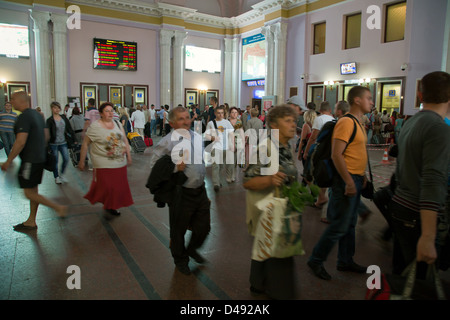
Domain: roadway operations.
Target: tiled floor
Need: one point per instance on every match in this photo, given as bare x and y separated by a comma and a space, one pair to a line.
128, 257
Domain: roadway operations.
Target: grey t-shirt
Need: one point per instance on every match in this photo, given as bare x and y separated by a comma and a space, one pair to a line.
60, 129
31, 122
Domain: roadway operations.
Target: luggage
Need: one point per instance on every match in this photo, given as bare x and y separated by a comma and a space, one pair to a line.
148, 141
137, 142
147, 132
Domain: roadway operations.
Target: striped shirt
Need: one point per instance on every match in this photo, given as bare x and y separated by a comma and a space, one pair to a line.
7, 120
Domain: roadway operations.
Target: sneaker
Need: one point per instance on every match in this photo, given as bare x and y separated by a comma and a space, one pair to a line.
58, 180
216, 188
63, 179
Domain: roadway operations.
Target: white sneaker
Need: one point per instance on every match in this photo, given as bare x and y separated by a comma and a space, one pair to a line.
63, 179
58, 180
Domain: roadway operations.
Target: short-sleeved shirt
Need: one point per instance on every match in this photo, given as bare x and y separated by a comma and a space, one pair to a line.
223, 127
31, 122
139, 119
107, 146
92, 115
355, 155
321, 120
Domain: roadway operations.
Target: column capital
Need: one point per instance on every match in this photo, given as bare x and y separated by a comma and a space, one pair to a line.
180, 36
59, 22
279, 30
267, 32
165, 37
40, 19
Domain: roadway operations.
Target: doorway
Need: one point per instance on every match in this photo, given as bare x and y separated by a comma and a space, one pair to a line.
389, 96
256, 103
315, 94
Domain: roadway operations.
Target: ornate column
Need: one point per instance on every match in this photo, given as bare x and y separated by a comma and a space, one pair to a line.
228, 71
178, 68
165, 43
269, 86
280, 32
60, 56
43, 80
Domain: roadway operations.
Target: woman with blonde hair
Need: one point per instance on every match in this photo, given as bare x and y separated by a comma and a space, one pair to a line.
309, 117
124, 118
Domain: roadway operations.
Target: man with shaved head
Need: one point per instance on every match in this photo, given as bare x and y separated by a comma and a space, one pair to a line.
30, 145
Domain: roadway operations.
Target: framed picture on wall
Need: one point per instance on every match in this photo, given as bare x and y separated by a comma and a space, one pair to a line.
210, 94
191, 97
116, 95
140, 95
89, 92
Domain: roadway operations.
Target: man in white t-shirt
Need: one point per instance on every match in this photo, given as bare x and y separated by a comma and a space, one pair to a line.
222, 138
139, 121
325, 116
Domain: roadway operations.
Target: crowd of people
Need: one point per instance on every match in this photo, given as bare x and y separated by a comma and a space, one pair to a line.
418, 206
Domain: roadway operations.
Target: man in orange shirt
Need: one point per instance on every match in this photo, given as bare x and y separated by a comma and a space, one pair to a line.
350, 160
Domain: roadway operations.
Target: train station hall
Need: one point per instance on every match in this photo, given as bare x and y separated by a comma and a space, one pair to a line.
103, 198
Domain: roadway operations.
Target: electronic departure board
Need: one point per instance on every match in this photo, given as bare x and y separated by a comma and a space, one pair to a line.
115, 55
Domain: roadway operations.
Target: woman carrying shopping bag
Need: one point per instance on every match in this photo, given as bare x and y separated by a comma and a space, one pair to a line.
272, 275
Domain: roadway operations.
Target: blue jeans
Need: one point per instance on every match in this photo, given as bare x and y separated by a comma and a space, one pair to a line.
8, 139
343, 215
61, 148
153, 127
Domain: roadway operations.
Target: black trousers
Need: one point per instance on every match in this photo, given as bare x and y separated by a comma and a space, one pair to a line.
191, 210
407, 230
161, 126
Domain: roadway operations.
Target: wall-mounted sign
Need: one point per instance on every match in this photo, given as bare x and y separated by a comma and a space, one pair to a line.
255, 83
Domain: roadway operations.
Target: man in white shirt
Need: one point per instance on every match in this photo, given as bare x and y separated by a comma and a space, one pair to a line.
139, 121
220, 131
325, 116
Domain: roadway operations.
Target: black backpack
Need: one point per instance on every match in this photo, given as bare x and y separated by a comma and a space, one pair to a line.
319, 167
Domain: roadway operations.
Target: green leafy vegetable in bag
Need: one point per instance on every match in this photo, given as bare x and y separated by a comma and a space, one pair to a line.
299, 196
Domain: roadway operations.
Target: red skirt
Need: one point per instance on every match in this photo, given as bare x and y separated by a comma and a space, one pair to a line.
110, 187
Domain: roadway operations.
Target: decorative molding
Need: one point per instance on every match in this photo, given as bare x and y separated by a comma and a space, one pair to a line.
192, 15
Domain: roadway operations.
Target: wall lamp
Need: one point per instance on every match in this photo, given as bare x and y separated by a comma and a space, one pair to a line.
365, 82
2, 82
202, 89
329, 84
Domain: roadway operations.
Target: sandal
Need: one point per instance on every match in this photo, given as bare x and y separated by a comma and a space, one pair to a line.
22, 227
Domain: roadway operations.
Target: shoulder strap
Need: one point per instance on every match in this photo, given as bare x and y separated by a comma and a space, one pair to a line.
215, 124
118, 124
352, 137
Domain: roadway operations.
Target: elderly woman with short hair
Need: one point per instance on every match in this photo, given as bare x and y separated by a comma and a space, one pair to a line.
274, 276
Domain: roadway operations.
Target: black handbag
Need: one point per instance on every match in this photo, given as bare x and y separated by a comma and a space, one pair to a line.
50, 160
